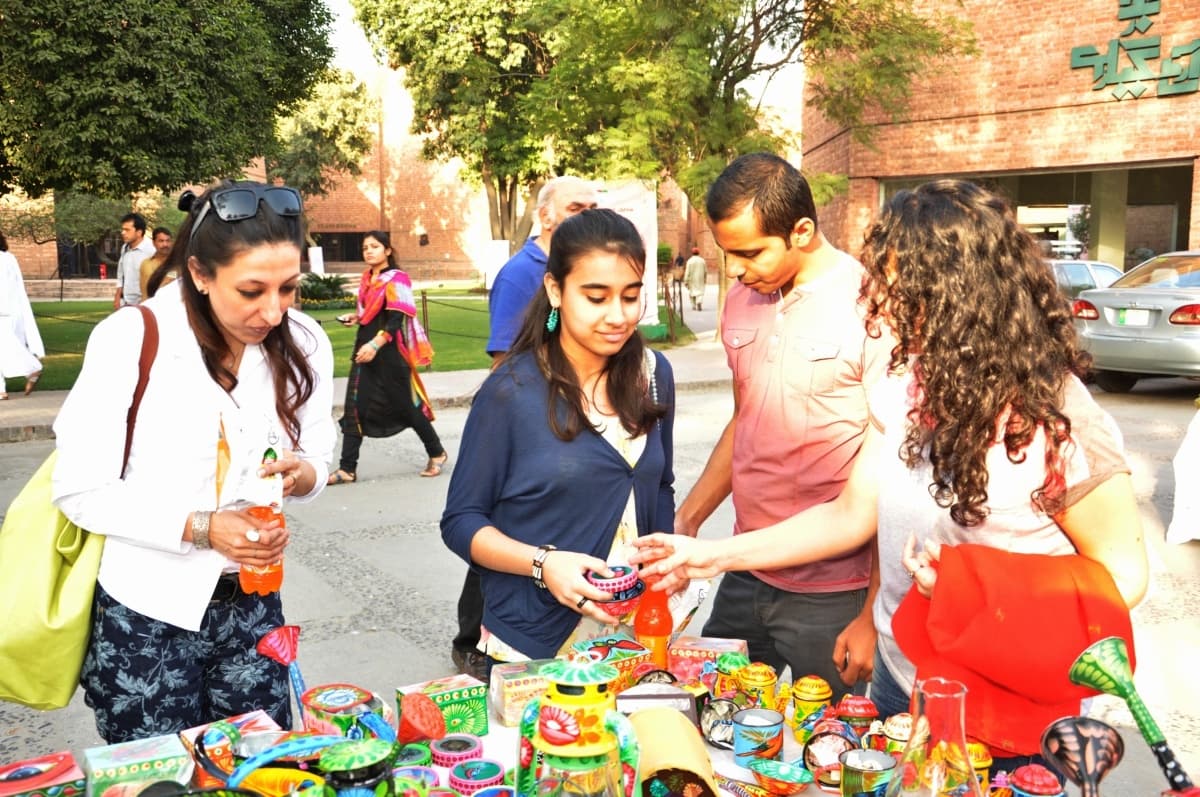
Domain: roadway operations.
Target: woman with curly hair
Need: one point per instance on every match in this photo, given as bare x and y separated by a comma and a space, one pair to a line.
987, 450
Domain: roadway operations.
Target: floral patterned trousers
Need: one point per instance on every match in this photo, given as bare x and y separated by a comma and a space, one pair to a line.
143, 677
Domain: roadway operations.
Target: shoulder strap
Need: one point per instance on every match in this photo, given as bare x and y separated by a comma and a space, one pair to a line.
145, 360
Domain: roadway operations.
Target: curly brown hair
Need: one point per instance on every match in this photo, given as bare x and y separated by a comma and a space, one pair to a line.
966, 292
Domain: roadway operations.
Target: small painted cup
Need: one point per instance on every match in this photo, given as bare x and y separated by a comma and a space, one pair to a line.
865, 772
623, 578
624, 601
757, 733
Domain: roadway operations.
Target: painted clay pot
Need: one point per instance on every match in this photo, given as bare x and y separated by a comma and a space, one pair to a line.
728, 665
780, 777
623, 578
1034, 780
857, 711
808, 694
757, 681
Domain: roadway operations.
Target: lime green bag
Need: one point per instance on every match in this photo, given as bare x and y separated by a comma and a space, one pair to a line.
48, 568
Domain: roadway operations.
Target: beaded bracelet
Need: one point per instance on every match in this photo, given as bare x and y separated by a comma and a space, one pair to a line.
539, 559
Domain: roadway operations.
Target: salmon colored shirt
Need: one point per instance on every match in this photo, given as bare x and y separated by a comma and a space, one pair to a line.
801, 366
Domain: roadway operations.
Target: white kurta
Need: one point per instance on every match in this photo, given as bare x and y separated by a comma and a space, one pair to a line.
20, 342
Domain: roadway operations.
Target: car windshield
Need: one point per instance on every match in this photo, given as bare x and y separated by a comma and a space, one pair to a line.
1178, 271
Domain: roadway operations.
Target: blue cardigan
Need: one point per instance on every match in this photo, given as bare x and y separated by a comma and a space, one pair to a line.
515, 474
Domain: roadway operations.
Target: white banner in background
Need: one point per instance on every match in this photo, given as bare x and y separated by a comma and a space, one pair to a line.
637, 201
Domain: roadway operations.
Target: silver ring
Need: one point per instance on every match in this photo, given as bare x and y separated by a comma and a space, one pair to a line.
582, 601
252, 535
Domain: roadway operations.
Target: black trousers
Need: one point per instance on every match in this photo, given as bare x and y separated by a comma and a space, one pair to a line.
470, 612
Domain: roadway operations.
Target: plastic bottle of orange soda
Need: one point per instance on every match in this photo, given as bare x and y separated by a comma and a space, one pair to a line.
265, 580
652, 625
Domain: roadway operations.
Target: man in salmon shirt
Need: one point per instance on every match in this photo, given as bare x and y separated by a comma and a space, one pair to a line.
802, 363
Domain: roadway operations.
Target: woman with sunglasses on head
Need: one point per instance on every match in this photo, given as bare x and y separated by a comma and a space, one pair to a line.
384, 395
566, 454
238, 372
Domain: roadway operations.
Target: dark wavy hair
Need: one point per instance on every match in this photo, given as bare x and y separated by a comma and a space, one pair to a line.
965, 289
596, 230
214, 245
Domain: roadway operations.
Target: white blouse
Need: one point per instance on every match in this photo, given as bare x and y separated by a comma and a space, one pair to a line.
172, 463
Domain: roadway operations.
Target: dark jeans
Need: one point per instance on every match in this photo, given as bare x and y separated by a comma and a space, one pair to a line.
470, 613
143, 677
352, 442
786, 628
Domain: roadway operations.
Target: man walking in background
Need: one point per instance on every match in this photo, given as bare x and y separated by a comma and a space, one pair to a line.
162, 248
135, 248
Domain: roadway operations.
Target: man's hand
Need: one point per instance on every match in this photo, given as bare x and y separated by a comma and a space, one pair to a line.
854, 649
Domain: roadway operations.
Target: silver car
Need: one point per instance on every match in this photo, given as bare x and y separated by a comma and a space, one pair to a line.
1146, 324
1076, 276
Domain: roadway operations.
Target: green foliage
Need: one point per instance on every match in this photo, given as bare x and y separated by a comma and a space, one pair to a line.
326, 136
319, 287
85, 218
620, 88
664, 255
112, 98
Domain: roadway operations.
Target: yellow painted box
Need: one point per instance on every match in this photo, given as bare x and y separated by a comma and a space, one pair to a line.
461, 698
137, 763
512, 686
631, 658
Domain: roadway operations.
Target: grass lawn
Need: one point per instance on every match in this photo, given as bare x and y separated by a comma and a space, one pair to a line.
457, 325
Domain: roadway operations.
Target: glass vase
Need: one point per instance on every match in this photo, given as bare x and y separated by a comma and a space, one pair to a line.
935, 760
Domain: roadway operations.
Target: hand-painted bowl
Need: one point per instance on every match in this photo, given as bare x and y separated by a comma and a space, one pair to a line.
623, 578
780, 777
624, 601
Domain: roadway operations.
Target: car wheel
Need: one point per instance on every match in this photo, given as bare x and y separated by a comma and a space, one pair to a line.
1116, 381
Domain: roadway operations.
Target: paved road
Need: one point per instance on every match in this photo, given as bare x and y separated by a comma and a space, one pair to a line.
374, 590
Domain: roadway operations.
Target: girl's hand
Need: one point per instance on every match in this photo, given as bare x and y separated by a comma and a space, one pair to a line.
298, 475
563, 572
922, 567
365, 353
677, 558
232, 533
348, 320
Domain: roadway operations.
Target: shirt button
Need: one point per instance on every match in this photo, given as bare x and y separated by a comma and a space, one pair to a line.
736, 341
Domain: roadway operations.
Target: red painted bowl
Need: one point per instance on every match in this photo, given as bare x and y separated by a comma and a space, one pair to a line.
624, 578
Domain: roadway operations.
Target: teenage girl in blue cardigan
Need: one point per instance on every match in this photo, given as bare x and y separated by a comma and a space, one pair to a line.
566, 454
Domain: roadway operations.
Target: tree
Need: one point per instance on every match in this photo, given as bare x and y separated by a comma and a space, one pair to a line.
644, 88
112, 98
328, 134
469, 66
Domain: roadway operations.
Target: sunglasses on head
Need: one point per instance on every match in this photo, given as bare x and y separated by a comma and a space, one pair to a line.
240, 202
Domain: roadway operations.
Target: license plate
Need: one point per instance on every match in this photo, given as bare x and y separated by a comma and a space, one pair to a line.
1130, 317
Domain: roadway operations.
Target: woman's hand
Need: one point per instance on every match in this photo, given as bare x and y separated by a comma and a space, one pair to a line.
348, 319
232, 533
299, 476
563, 572
365, 354
922, 567
678, 558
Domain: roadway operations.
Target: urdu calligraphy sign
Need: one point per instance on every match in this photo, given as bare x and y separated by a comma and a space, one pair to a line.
1128, 61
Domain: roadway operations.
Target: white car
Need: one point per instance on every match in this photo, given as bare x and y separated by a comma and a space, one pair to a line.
1075, 276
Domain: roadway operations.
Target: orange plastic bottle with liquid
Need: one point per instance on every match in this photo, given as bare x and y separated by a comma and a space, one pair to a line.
653, 625
264, 580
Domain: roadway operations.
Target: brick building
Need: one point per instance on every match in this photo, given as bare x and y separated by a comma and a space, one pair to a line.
1088, 102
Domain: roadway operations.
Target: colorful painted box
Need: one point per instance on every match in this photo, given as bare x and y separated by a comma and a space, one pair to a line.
687, 655
54, 775
629, 657
143, 761
513, 685
218, 746
461, 699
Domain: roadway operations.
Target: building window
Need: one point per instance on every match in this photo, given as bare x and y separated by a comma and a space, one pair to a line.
341, 247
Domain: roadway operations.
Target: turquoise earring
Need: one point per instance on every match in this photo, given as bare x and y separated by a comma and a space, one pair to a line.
552, 320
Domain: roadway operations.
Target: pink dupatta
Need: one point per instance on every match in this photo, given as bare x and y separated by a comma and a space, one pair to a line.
392, 290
